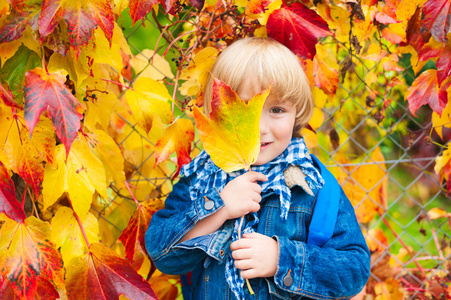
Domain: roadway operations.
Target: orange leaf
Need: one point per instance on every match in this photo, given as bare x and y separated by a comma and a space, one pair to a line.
163, 287
27, 256
425, 90
103, 274
133, 236
176, 138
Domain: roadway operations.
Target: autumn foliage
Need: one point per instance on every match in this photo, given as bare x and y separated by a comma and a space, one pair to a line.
93, 136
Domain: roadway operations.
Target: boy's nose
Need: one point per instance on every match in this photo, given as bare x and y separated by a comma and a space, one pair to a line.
263, 124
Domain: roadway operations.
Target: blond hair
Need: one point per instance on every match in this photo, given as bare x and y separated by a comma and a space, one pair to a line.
264, 61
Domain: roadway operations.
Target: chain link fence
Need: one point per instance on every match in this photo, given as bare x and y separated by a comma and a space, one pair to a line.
402, 190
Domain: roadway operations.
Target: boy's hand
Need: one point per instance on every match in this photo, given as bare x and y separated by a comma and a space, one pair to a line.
255, 255
242, 195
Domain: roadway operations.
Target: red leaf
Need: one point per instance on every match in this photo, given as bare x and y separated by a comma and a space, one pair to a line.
414, 36
82, 17
140, 8
23, 13
298, 28
199, 4
8, 202
7, 98
6, 290
133, 235
102, 274
437, 18
425, 90
46, 91
444, 64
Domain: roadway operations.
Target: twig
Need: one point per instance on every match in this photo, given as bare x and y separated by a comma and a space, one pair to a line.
130, 191
434, 235
32, 201
403, 244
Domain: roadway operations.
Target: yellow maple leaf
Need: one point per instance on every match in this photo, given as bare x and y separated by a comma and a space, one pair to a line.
106, 53
147, 99
444, 120
231, 136
196, 72
157, 68
176, 138
365, 185
80, 176
436, 213
22, 154
67, 234
108, 152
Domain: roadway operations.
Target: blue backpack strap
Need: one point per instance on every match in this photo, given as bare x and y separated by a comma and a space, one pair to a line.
325, 212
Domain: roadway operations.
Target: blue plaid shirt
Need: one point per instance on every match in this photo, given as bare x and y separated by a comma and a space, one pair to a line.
210, 179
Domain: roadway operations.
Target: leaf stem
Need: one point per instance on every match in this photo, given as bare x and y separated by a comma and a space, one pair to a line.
131, 193
115, 82
249, 287
81, 228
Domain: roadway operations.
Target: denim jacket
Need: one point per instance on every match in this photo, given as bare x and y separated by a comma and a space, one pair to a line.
337, 270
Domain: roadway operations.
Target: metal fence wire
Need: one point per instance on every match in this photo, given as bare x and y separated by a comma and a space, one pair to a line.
412, 249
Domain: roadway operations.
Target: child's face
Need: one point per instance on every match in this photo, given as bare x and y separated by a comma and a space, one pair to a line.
276, 125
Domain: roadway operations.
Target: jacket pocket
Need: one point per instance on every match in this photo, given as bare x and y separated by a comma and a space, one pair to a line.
294, 227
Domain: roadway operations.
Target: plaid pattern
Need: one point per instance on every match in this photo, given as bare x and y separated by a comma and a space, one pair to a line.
209, 178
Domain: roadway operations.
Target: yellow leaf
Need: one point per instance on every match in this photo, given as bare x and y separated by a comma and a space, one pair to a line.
23, 155
442, 161
365, 185
437, 213
78, 71
388, 290
395, 33
148, 98
271, 7
7, 50
232, 136
442, 121
66, 233
197, 71
406, 9
80, 176
106, 149
157, 69
99, 111
119, 6
317, 119
106, 54
375, 52
176, 138
261, 32
310, 138
340, 16
319, 97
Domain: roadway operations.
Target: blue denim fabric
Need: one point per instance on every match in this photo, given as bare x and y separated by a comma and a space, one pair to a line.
337, 270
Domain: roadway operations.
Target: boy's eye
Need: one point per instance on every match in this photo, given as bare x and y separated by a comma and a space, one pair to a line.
276, 110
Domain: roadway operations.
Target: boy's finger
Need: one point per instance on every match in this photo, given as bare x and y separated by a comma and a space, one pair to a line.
253, 235
240, 244
256, 176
